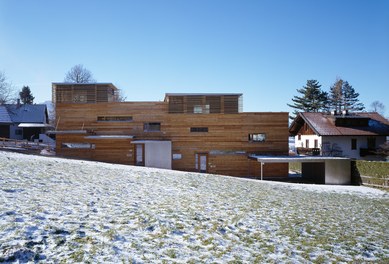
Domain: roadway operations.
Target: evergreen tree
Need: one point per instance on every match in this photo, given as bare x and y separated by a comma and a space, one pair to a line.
351, 101
343, 97
336, 95
312, 99
26, 95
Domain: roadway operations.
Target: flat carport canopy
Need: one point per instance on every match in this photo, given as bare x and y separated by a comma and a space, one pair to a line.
329, 170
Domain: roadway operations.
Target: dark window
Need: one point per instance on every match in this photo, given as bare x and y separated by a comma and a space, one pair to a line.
199, 129
371, 142
152, 127
353, 143
307, 143
316, 143
299, 137
258, 137
114, 118
18, 132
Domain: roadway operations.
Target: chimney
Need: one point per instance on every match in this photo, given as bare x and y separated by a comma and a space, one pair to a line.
334, 112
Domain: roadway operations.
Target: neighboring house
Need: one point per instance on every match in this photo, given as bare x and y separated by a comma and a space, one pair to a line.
353, 135
188, 132
23, 121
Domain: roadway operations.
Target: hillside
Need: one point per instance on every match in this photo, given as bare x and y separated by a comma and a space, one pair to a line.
55, 209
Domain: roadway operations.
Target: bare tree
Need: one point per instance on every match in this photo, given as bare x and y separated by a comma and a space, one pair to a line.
121, 96
378, 107
79, 74
7, 93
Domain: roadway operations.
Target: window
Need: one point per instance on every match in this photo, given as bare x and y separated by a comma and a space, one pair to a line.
316, 143
371, 142
201, 109
78, 145
260, 137
114, 118
298, 137
18, 132
307, 143
353, 143
152, 127
199, 129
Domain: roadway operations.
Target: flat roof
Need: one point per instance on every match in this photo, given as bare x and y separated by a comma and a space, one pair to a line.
109, 137
284, 159
200, 94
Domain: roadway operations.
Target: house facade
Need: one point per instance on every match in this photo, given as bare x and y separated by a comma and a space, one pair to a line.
352, 135
23, 121
188, 132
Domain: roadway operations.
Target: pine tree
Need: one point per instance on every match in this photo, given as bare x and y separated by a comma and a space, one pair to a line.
336, 95
351, 101
26, 95
343, 97
312, 99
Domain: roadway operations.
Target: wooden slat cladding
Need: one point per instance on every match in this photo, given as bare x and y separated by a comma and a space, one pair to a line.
224, 138
205, 104
85, 93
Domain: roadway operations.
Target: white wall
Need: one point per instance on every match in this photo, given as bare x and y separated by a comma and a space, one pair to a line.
338, 171
344, 143
302, 142
158, 154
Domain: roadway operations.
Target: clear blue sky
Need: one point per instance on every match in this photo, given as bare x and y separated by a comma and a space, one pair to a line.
264, 49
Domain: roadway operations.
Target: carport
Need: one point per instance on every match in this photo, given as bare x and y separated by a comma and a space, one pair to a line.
319, 169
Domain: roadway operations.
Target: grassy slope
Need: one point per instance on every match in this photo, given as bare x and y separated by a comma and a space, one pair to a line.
53, 209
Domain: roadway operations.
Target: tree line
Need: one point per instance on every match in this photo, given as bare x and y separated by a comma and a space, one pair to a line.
341, 96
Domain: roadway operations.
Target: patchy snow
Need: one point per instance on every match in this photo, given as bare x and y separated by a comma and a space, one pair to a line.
55, 209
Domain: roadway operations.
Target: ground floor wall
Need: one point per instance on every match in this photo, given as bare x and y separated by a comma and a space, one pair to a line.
185, 157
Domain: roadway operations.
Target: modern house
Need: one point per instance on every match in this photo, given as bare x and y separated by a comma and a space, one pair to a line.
188, 132
352, 135
23, 121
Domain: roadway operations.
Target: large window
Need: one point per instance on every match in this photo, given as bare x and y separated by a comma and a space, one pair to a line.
152, 127
114, 118
78, 146
258, 137
201, 109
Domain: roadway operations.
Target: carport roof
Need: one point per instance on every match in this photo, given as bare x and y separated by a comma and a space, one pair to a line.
285, 159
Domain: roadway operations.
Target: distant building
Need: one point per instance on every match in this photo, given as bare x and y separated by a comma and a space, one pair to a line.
23, 121
188, 132
353, 135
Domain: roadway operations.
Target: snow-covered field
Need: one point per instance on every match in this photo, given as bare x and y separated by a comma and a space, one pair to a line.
57, 210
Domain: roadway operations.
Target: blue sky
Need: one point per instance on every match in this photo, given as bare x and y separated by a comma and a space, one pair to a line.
263, 49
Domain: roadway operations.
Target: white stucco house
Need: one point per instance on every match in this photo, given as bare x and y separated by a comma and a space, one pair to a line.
352, 135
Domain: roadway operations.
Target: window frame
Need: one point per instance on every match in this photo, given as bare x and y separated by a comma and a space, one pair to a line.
148, 127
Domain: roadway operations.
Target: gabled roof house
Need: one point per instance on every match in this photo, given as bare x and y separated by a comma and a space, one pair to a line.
23, 121
353, 135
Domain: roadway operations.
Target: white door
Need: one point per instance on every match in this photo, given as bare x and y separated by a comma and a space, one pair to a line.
139, 154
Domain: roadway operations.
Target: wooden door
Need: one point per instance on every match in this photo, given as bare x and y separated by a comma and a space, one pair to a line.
139, 154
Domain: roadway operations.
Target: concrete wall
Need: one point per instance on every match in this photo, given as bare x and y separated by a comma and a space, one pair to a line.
337, 172
158, 154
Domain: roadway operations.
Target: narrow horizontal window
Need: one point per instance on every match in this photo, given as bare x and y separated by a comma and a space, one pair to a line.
199, 129
78, 145
114, 118
259, 137
152, 127
201, 109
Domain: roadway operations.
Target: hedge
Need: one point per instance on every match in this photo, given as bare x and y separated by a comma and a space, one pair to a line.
374, 173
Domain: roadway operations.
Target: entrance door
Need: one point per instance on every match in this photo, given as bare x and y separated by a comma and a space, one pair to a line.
139, 154
201, 162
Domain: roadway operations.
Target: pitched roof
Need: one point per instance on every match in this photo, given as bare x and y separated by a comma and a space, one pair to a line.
323, 124
4, 116
27, 113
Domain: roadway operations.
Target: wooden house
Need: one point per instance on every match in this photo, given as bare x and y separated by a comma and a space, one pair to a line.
352, 135
188, 132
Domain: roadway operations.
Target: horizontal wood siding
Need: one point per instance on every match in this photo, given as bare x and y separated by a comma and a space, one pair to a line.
226, 142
